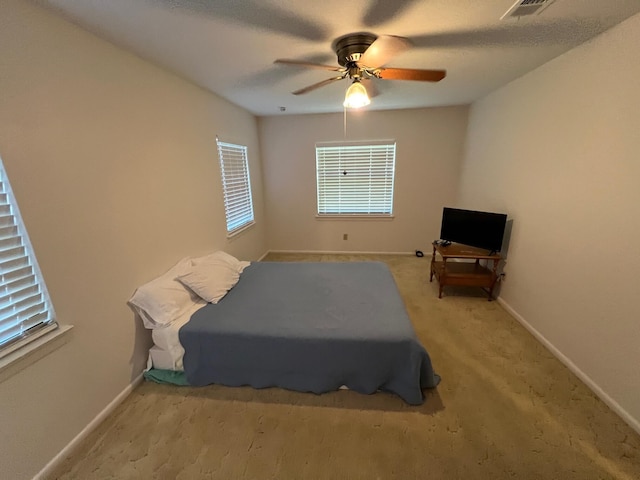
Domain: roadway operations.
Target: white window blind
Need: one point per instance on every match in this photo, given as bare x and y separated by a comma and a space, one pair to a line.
236, 185
25, 309
355, 179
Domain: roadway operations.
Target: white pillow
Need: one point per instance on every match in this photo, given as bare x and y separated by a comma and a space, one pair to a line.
163, 299
147, 321
222, 258
210, 281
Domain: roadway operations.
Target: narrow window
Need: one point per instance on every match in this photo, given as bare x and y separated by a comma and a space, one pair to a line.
25, 309
236, 184
355, 178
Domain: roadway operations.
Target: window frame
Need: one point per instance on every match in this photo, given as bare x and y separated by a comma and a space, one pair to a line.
377, 194
13, 345
238, 206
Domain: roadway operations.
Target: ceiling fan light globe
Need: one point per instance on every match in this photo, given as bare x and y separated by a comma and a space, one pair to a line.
356, 96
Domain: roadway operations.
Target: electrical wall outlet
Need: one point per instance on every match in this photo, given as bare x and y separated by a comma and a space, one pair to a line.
345, 236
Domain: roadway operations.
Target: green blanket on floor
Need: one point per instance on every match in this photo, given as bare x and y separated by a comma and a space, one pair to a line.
166, 376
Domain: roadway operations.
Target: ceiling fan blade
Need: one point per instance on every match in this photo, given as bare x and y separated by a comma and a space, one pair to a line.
298, 63
317, 85
383, 49
412, 74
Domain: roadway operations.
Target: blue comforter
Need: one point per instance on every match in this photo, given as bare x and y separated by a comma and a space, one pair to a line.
309, 327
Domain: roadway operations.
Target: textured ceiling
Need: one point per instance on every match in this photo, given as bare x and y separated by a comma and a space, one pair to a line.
228, 46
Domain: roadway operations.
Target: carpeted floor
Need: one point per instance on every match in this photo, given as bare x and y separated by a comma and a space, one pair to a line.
506, 408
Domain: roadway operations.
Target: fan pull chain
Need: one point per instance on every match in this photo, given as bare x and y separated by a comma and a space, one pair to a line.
345, 121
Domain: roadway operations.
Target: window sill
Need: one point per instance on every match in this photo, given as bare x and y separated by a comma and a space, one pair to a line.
355, 217
244, 228
33, 351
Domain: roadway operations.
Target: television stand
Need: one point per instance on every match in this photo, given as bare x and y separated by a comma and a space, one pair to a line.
464, 273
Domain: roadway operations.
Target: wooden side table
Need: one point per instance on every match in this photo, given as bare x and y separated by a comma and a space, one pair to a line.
469, 274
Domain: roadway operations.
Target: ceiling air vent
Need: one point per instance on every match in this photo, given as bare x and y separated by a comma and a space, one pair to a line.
522, 8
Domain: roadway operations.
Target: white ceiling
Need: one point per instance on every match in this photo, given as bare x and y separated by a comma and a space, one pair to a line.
228, 46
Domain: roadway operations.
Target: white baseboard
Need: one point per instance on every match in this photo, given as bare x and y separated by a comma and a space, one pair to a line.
588, 381
263, 255
66, 451
338, 252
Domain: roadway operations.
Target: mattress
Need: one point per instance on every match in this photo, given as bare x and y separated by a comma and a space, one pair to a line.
167, 352
309, 327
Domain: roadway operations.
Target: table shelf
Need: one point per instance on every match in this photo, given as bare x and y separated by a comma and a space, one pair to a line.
467, 271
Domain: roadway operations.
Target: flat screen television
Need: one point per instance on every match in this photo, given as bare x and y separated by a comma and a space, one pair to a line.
470, 227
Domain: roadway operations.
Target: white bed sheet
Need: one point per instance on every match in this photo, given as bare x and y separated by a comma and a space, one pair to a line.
167, 351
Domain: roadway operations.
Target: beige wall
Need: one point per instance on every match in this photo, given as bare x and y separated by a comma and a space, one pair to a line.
428, 157
559, 150
114, 166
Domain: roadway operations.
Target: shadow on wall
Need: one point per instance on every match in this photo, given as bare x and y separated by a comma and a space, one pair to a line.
506, 239
141, 345
504, 253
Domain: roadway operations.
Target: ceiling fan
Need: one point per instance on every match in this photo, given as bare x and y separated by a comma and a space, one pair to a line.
362, 56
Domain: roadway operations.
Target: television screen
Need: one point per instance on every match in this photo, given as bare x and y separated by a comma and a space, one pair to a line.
477, 229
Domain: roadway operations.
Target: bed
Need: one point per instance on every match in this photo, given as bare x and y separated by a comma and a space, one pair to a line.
311, 327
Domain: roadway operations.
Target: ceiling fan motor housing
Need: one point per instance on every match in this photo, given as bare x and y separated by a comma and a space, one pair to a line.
349, 48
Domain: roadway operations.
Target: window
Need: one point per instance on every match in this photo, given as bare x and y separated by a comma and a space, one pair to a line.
236, 184
25, 309
355, 178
